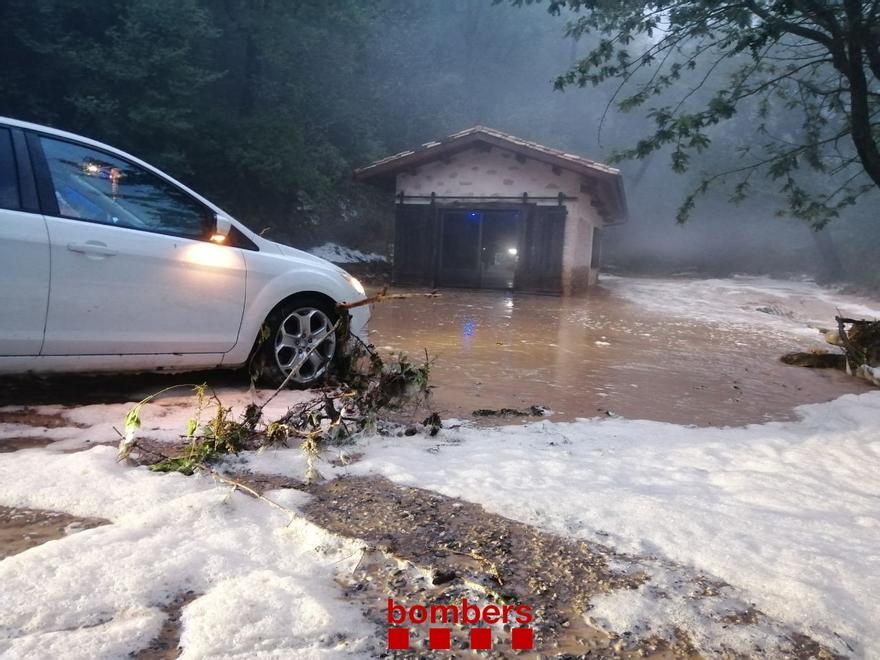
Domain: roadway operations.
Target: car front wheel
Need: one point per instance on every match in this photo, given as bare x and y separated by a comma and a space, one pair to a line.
300, 345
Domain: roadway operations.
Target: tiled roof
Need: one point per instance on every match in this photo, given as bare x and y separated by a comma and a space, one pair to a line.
607, 185
405, 158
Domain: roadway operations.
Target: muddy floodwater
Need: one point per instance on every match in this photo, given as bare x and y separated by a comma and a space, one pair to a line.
21, 529
582, 357
702, 352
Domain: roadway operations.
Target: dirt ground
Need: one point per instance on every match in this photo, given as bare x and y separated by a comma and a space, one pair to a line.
419, 546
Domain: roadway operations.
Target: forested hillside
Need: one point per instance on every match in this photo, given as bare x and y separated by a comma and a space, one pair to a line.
266, 107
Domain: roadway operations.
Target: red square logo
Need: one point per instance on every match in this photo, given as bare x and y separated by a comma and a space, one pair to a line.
398, 639
439, 639
522, 639
481, 639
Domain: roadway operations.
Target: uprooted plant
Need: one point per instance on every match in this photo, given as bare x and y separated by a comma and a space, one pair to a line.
366, 393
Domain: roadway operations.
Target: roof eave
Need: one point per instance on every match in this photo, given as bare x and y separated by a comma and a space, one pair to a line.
405, 160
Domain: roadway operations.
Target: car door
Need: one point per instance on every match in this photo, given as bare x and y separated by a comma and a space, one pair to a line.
133, 267
24, 251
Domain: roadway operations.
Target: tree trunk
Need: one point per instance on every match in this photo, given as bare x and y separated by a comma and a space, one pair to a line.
830, 266
860, 113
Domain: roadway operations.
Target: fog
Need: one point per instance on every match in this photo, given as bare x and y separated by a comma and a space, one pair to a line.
268, 107
466, 62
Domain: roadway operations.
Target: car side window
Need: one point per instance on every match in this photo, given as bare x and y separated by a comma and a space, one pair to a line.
95, 186
9, 195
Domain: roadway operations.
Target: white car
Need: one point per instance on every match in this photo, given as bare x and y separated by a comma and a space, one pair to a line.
108, 264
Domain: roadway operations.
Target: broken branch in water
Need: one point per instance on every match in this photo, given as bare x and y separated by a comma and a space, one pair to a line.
532, 411
815, 360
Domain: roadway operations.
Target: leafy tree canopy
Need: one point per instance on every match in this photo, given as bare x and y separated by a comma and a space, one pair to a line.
695, 64
243, 99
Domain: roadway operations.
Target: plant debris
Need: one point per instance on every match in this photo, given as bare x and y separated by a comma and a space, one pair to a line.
383, 295
533, 411
815, 360
860, 341
358, 398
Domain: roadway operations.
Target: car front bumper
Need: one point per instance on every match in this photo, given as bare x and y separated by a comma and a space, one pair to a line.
360, 321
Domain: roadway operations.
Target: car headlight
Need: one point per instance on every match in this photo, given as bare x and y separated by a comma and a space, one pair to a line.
356, 284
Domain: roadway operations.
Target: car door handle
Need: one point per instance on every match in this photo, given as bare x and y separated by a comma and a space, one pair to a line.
92, 248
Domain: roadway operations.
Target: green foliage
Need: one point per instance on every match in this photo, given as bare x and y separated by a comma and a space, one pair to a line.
219, 436
231, 96
766, 63
132, 421
127, 72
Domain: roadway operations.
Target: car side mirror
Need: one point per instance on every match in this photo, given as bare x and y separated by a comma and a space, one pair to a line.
222, 227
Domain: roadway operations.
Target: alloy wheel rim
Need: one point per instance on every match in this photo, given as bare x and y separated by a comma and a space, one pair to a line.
305, 344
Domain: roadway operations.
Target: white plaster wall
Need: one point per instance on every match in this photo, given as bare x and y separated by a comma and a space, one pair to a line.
497, 173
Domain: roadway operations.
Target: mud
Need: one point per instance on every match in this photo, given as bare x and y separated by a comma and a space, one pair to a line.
34, 419
8, 445
22, 529
599, 354
86, 389
166, 646
43, 422
31, 417
424, 548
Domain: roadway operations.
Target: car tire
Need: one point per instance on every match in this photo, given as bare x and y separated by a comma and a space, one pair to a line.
295, 329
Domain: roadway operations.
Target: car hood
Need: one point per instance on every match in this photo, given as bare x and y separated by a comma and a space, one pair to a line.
305, 257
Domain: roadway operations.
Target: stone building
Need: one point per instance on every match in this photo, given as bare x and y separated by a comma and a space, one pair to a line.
485, 209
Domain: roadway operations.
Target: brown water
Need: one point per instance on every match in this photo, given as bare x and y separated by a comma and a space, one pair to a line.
579, 357
21, 529
583, 357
